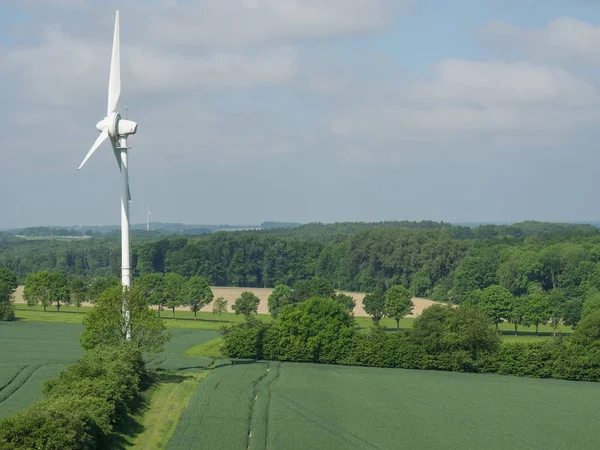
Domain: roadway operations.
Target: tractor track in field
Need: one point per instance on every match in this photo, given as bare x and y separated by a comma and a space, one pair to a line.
10, 388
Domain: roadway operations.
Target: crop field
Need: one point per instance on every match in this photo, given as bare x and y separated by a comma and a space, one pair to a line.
32, 352
297, 406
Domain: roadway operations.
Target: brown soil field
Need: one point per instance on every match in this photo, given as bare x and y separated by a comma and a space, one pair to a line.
231, 293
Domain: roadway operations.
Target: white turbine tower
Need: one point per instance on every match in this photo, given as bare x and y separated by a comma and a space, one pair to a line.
148, 214
117, 130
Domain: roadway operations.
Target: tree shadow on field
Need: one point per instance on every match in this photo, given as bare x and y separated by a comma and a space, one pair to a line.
191, 319
533, 333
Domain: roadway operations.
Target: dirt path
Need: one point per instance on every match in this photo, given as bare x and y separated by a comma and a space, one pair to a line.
231, 293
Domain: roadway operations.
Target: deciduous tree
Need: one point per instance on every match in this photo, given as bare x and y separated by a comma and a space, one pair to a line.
105, 323
220, 306
246, 304
173, 289
281, 296
374, 304
398, 303
197, 294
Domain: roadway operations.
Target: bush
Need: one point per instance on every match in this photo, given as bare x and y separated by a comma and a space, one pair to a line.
316, 330
244, 340
7, 312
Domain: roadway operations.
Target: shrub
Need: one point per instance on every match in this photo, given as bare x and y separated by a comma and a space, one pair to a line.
244, 340
316, 330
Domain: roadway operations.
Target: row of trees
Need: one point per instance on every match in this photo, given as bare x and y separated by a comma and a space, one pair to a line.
445, 337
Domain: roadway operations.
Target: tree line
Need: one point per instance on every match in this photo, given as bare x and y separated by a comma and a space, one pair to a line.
443, 337
555, 265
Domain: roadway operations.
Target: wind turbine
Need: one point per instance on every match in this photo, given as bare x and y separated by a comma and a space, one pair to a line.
117, 130
148, 214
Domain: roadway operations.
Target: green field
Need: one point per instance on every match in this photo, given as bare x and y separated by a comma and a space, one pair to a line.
299, 406
32, 352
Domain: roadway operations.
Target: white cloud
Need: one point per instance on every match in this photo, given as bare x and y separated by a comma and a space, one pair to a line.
213, 23
473, 98
564, 37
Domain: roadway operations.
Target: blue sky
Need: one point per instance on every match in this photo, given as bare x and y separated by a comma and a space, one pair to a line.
304, 110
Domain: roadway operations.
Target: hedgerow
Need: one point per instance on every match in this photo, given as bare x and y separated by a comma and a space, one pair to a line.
81, 406
443, 338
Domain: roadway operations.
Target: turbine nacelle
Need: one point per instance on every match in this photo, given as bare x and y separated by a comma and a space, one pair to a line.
117, 127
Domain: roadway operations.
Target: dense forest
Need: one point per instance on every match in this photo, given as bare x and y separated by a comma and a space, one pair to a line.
431, 259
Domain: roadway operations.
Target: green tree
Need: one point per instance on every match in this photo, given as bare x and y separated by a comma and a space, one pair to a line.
197, 294
37, 289
79, 291
537, 309
446, 329
374, 304
398, 303
246, 304
105, 323
281, 296
101, 284
173, 289
9, 279
347, 301
556, 302
496, 303
587, 333
590, 305
516, 315
572, 312
59, 289
220, 306
7, 309
151, 286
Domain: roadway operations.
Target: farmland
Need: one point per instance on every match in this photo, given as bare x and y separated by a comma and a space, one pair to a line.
290, 405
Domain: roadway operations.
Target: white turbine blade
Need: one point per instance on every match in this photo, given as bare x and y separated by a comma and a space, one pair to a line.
114, 82
118, 158
99, 141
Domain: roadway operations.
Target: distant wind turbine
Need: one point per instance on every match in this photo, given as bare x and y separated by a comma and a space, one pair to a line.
117, 130
148, 214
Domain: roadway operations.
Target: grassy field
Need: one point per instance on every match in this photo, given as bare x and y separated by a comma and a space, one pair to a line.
299, 406
31, 352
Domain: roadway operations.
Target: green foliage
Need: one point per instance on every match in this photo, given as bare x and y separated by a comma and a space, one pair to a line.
105, 323
101, 284
37, 289
151, 287
316, 330
281, 296
496, 303
220, 306
59, 289
587, 333
398, 303
173, 286
246, 304
9, 279
79, 291
374, 304
347, 301
244, 340
537, 309
197, 294
590, 305
7, 309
